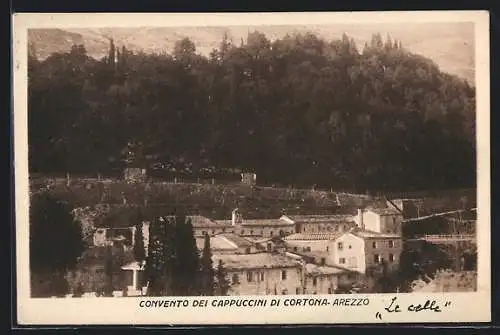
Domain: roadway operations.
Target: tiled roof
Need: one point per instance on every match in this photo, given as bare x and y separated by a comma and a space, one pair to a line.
216, 243
312, 236
255, 261
223, 222
240, 241
384, 211
310, 254
225, 241
317, 270
199, 221
258, 239
321, 218
255, 222
265, 222
367, 234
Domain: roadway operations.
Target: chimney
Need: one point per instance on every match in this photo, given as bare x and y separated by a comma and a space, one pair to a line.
360, 219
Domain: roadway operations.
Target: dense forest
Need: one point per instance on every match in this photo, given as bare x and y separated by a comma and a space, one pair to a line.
298, 110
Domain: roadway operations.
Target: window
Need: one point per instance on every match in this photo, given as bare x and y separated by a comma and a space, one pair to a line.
269, 247
213, 232
251, 232
391, 244
294, 248
329, 228
341, 260
391, 258
376, 258
350, 246
327, 248
223, 230
323, 260
283, 275
340, 246
271, 233
236, 279
315, 281
330, 290
204, 233
249, 276
262, 276
247, 250
297, 290
374, 245
243, 232
262, 233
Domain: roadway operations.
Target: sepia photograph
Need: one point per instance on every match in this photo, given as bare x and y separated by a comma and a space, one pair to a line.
315, 163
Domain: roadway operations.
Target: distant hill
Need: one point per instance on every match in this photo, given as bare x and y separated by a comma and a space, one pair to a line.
450, 45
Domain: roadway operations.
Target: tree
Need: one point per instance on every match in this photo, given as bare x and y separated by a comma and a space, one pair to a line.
172, 264
207, 270
385, 279
409, 269
186, 268
139, 248
108, 271
156, 260
222, 283
55, 242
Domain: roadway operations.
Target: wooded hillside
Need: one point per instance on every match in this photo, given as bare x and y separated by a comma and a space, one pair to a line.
299, 110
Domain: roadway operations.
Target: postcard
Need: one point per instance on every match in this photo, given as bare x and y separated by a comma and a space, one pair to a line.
252, 168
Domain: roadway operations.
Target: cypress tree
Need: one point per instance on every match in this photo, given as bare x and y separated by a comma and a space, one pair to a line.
169, 254
207, 270
187, 261
139, 250
172, 265
155, 259
222, 283
112, 53
55, 243
108, 271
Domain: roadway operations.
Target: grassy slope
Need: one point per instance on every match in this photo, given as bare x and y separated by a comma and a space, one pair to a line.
217, 201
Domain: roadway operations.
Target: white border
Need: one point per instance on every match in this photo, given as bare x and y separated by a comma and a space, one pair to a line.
465, 307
